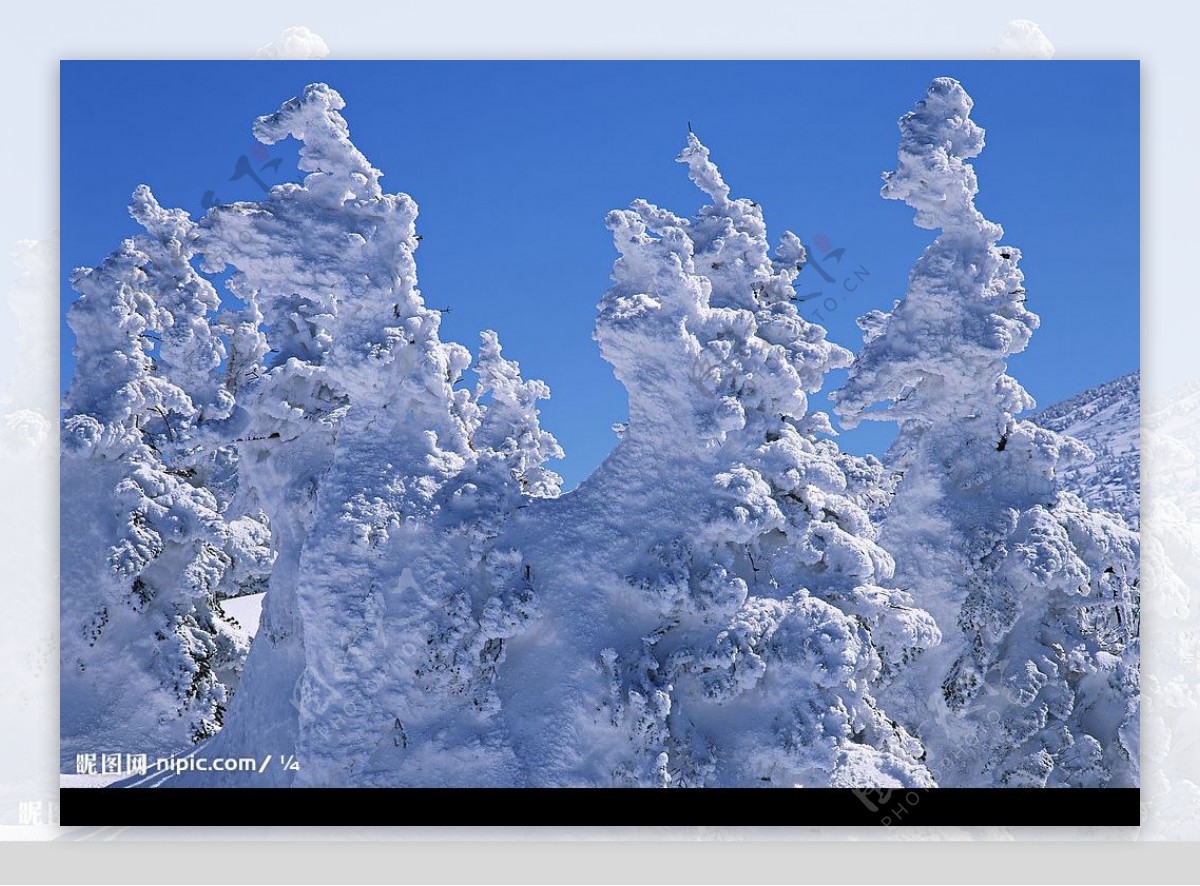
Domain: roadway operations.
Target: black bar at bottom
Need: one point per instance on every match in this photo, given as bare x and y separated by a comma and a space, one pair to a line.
690, 807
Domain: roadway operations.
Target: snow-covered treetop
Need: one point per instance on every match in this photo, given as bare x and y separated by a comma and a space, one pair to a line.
191, 351
932, 176
339, 171
703, 171
942, 352
699, 325
330, 265
509, 430
126, 303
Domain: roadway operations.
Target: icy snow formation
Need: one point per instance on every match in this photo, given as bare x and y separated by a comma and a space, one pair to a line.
435, 616
714, 606
145, 546
1107, 419
1036, 594
712, 598
386, 481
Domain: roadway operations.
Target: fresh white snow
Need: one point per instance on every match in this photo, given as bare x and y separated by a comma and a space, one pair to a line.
246, 611
1035, 681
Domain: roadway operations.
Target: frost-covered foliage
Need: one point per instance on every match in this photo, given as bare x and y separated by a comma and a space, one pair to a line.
713, 596
1035, 682
146, 548
714, 606
385, 479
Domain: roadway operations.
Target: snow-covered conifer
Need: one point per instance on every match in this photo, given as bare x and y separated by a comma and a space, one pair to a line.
144, 545
1034, 593
376, 621
509, 434
465, 589
713, 599
719, 604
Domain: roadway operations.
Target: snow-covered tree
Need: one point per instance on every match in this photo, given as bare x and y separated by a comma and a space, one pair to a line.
714, 604
508, 440
144, 543
281, 430
1035, 682
461, 590
383, 477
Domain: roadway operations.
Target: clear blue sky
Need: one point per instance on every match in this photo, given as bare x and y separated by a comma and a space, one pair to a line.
514, 165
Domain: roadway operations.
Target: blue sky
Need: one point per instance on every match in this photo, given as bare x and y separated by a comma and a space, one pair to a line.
514, 165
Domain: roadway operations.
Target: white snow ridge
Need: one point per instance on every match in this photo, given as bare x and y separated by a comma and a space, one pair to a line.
728, 600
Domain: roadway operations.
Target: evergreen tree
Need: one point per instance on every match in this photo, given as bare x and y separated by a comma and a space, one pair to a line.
1035, 683
729, 599
144, 543
713, 598
379, 620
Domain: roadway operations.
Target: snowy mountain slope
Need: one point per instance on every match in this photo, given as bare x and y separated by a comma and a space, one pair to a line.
1108, 419
246, 611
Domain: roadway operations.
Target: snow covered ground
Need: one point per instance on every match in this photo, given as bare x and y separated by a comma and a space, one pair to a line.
246, 611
